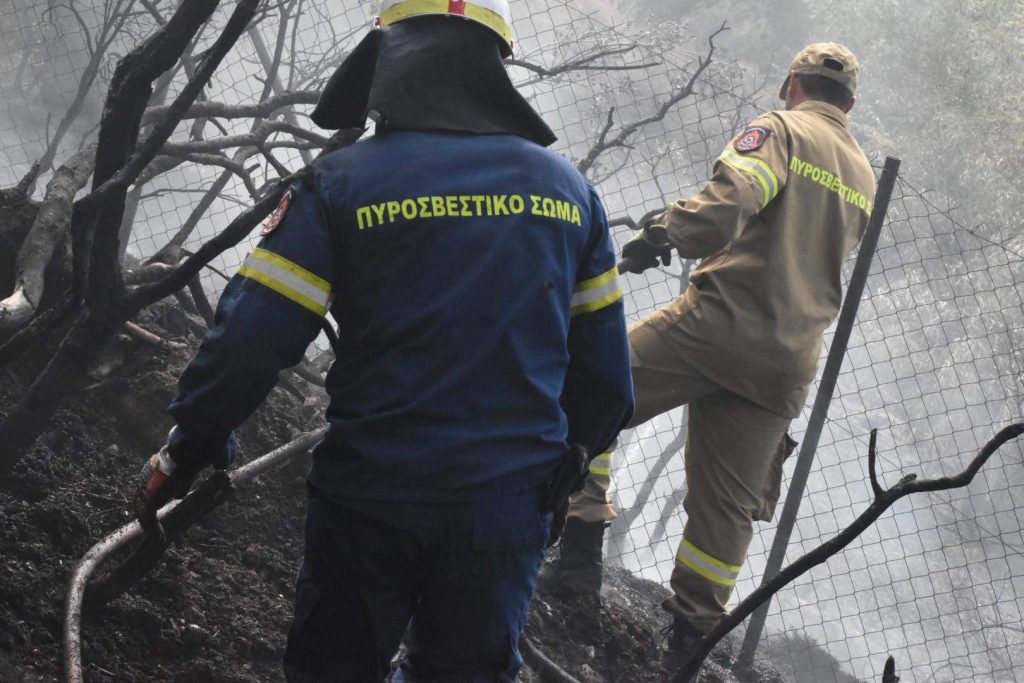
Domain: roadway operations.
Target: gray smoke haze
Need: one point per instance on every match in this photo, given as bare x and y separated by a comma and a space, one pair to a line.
941, 86
934, 363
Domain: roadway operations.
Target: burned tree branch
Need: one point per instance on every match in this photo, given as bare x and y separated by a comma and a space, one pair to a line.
143, 335
148, 273
234, 233
585, 62
96, 220
238, 111
195, 288
876, 488
24, 187
49, 230
604, 143
234, 167
885, 498
255, 138
115, 15
103, 260
118, 163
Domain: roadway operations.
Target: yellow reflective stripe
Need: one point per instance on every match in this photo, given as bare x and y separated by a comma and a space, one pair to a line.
294, 268
760, 170
595, 282
490, 19
710, 568
412, 8
596, 293
288, 279
602, 465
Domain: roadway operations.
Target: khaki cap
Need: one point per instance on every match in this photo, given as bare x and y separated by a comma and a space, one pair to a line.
830, 60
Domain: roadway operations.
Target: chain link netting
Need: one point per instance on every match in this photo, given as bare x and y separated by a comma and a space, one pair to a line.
934, 362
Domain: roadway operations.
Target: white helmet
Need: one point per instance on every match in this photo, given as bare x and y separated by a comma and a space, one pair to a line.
494, 14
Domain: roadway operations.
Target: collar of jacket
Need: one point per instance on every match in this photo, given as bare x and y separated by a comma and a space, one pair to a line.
829, 110
431, 74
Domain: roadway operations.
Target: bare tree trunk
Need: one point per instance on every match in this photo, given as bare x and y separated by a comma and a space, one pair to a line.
97, 218
48, 232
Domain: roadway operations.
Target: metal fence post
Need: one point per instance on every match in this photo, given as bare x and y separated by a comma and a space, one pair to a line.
819, 413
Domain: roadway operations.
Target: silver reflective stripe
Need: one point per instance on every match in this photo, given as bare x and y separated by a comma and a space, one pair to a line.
761, 171
602, 465
596, 293
713, 570
288, 279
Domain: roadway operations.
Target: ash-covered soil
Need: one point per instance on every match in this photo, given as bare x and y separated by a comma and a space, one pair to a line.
218, 607
621, 639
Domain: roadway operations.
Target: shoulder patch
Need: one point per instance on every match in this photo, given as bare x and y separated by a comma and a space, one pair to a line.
752, 138
278, 215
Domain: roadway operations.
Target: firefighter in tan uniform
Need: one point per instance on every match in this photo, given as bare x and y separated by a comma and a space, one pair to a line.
788, 201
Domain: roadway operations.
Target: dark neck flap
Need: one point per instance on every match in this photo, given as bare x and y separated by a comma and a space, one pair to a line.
429, 74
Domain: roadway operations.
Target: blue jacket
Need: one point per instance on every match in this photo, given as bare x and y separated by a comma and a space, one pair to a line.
480, 320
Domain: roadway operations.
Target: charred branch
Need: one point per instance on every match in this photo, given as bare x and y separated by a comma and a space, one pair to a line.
605, 141
884, 499
130, 92
234, 233
96, 220
195, 288
238, 111
48, 232
115, 15
255, 138
24, 187
228, 164
584, 62
147, 337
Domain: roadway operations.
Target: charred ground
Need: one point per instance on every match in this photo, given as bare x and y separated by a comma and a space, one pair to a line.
218, 607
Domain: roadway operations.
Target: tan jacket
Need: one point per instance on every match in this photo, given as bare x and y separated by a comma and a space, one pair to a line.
789, 199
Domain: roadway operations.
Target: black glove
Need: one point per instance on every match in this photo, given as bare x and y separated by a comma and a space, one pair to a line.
170, 474
167, 480
645, 249
567, 479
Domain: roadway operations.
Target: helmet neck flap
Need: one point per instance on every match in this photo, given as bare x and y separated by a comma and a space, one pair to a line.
432, 73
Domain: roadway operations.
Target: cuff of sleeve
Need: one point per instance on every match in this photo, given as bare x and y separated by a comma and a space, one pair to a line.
657, 235
186, 448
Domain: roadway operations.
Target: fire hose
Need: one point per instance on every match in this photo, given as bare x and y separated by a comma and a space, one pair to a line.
176, 517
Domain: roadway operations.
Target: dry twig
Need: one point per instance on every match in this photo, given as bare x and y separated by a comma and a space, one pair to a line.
884, 499
605, 143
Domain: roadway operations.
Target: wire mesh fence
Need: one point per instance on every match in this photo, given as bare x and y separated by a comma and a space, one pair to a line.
934, 363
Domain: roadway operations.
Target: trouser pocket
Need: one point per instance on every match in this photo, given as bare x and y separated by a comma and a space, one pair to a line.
773, 486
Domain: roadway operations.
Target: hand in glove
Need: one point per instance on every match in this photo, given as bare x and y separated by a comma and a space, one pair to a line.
171, 472
645, 249
566, 480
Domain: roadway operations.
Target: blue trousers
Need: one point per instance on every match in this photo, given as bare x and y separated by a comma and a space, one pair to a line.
458, 575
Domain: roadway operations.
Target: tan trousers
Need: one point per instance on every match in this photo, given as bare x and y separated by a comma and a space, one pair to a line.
734, 454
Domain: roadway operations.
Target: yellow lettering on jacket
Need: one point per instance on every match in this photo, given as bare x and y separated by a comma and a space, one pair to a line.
364, 218
466, 206
535, 202
830, 181
501, 205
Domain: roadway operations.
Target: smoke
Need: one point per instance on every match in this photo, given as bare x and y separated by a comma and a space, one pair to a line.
940, 85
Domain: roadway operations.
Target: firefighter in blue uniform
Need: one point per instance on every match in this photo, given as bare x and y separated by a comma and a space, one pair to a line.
472, 276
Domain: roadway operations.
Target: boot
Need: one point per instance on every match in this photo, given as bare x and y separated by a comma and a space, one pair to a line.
681, 637
577, 571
